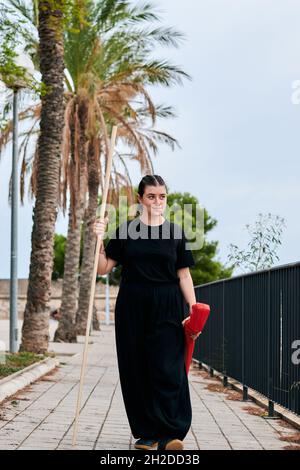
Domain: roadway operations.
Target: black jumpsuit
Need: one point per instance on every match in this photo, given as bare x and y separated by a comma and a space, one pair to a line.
148, 325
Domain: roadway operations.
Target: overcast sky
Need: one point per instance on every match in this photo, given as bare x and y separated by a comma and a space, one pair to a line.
237, 125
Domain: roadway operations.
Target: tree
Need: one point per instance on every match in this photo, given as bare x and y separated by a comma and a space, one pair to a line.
113, 72
35, 330
107, 58
59, 256
265, 238
207, 268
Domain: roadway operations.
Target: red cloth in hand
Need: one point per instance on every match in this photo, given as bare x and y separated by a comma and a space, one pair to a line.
193, 325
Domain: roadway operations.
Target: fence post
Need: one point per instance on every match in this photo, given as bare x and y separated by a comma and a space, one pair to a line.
223, 334
245, 389
271, 409
271, 414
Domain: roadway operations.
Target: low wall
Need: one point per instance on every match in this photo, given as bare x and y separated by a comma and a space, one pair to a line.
55, 301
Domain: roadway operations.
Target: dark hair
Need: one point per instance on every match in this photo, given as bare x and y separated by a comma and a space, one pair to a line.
149, 180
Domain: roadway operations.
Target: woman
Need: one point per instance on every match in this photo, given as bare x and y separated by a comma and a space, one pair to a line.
149, 320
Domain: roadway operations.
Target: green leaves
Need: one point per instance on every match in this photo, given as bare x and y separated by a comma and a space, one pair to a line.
265, 238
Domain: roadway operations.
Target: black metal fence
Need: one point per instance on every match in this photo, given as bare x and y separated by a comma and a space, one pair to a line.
253, 332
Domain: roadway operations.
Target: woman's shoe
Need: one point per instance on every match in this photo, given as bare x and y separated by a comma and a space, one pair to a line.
170, 444
146, 444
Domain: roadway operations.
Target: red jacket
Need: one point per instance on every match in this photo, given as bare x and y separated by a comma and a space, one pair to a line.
193, 325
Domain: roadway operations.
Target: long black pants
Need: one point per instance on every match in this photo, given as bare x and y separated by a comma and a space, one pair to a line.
150, 352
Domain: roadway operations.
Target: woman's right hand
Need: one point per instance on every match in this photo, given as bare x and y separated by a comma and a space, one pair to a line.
99, 226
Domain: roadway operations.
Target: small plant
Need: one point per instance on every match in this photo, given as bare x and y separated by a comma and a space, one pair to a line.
18, 361
265, 238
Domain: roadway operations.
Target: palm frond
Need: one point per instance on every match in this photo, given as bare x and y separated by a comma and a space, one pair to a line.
24, 8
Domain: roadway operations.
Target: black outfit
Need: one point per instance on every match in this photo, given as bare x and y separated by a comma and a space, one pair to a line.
148, 325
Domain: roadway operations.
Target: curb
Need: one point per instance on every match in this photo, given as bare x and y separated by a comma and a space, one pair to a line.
17, 381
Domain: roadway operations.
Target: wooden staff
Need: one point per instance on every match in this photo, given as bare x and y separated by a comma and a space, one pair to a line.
93, 284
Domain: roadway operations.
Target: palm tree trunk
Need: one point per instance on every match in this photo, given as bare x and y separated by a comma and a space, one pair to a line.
35, 330
89, 242
66, 328
96, 323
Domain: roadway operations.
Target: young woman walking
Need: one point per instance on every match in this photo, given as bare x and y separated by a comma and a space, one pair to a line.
149, 318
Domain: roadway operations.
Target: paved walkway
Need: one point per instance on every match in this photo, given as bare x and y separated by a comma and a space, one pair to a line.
40, 417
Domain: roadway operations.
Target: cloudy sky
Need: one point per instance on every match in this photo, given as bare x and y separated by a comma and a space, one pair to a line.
237, 125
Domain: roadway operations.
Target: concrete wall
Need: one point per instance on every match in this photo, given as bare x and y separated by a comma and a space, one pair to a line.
55, 298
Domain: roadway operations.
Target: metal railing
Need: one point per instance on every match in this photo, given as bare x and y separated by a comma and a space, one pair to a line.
253, 333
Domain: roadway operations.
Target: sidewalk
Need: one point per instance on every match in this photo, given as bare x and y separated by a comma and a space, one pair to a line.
40, 417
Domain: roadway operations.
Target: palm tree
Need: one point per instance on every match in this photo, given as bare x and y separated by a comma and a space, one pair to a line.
78, 181
110, 80
109, 66
35, 330
115, 70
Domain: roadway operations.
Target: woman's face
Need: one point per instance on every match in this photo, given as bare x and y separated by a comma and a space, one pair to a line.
154, 200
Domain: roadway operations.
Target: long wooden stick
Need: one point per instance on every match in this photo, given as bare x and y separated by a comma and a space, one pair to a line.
93, 285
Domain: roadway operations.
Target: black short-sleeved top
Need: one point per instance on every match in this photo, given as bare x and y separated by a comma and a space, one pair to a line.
149, 253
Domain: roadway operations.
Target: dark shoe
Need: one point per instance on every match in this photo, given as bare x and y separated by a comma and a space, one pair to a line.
170, 444
146, 444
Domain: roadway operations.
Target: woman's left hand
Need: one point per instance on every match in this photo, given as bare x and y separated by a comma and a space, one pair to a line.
194, 337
